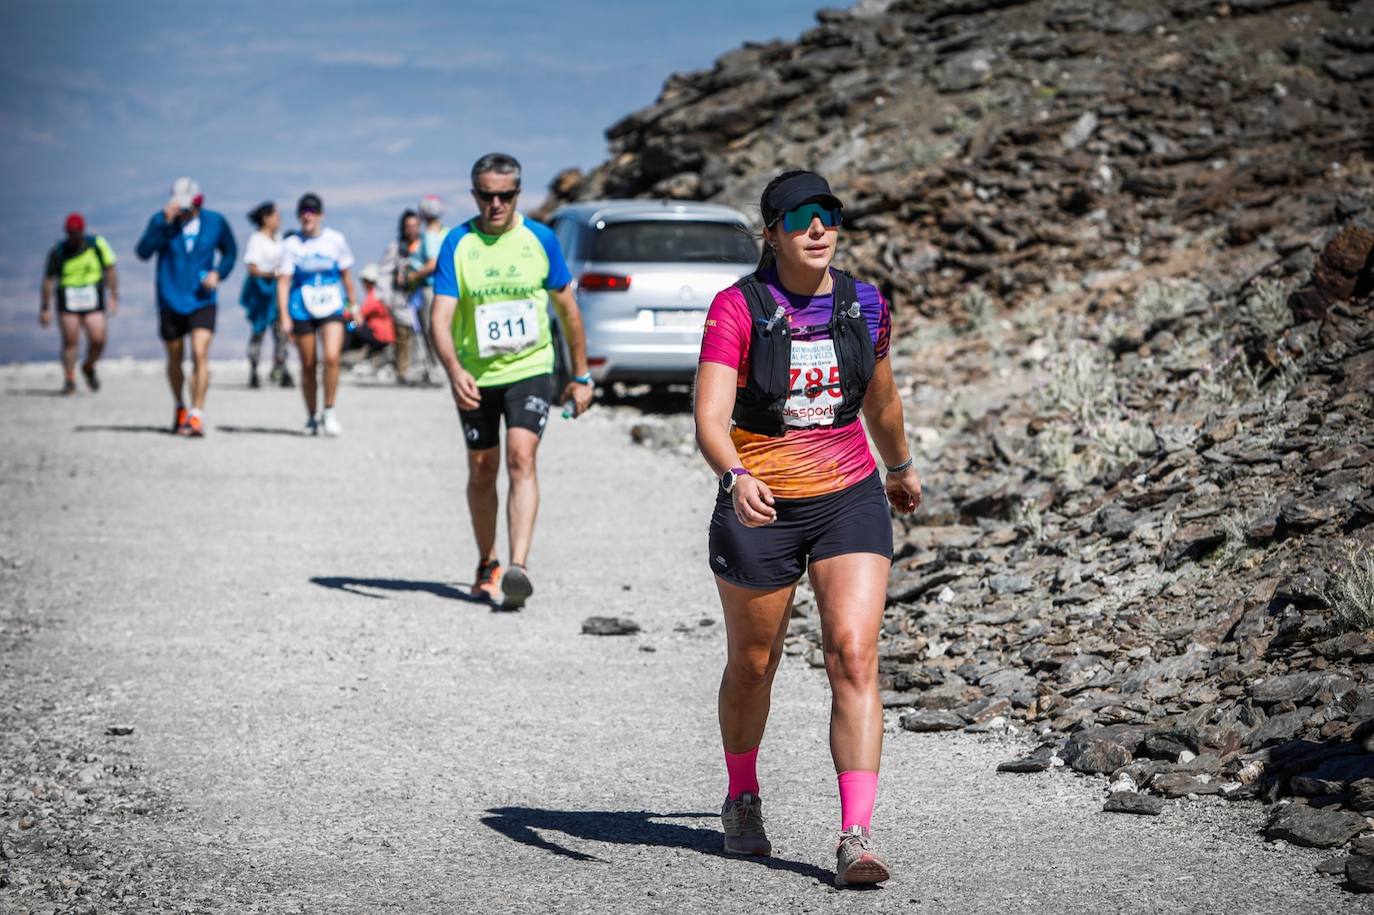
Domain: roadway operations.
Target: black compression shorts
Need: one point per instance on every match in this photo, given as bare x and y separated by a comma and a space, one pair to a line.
312, 325
524, 404
854, 520
173, 325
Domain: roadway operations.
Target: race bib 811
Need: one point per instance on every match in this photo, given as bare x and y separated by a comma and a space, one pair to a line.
814, 391
506, 327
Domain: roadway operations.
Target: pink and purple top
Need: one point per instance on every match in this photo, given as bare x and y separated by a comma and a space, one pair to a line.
804, 462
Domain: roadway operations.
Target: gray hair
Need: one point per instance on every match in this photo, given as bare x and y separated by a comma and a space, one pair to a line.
500, 163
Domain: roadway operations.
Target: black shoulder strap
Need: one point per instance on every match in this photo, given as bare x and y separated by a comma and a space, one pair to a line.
846, 294
91, 242
761, 303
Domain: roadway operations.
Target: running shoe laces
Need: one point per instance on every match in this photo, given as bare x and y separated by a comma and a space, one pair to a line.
742, 821
856, 860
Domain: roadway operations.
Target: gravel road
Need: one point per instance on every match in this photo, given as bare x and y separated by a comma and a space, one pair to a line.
322, 722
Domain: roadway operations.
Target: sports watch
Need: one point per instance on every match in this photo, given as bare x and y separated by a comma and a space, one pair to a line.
728, 479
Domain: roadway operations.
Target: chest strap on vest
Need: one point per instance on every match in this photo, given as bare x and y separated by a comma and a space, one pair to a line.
760, 403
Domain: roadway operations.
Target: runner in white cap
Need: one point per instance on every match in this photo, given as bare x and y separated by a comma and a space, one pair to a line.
195, 251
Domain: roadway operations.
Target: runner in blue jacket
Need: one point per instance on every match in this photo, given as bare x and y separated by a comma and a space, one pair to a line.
195, 252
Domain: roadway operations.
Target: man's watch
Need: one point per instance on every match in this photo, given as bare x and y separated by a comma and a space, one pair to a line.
731, 476
583, 379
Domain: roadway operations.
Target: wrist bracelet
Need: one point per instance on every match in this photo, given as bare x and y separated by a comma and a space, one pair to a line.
899, 467
583, 379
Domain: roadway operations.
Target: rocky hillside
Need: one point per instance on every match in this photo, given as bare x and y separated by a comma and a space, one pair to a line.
1018, 145
1128, 246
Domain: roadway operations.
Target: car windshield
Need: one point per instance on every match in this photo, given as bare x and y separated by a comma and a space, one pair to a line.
675, 241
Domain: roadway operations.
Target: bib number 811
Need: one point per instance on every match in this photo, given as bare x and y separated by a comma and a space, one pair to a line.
498, 329
506, 327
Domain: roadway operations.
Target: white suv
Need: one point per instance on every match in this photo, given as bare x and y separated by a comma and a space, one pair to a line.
645, 273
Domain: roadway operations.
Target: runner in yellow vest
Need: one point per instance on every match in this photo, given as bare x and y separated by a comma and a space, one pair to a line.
493, 281
81, 276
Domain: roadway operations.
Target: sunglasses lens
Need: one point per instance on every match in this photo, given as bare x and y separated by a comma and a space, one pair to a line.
800, 219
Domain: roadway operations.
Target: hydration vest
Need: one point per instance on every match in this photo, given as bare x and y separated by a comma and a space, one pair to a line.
759, 404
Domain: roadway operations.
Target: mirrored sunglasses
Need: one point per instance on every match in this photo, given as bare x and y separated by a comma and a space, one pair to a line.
800, 219
503, 196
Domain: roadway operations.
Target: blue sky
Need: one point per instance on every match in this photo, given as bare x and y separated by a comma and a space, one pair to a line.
368, 104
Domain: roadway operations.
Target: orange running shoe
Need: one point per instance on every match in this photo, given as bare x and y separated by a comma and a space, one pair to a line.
179, 420
194, 427
487, 582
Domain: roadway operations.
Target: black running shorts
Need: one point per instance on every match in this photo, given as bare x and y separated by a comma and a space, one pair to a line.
853, 520
173, 325
524, 404
312, 325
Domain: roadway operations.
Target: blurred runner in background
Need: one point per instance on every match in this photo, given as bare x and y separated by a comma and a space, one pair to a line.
81, 275
195, 251
392, 287
314, 294
261, 258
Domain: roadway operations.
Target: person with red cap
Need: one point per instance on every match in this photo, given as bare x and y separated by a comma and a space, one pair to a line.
81, 278
195, 251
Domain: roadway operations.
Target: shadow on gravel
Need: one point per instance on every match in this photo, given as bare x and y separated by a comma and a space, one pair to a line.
437, 588
259, 430
36, 392
625, 827
160, 430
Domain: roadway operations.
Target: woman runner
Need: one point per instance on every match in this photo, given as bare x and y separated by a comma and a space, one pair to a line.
314, 291
791, 356
259, 296
399, 254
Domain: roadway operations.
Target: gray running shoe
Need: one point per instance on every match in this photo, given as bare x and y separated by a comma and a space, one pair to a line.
856, 862
742, 819
515, 588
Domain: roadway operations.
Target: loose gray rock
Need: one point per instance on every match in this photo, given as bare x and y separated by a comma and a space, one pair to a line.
929, 719
1333, 866
1295, 688
1010, 584
609, 625
1311, 827
1182, 784
1131, 802
1359, 874
119, 730
1362, 797
1027, 764
1101, 757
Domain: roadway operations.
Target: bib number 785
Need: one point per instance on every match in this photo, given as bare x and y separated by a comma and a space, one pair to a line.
814, 381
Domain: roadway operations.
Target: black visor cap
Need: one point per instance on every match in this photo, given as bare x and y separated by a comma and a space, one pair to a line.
791, 193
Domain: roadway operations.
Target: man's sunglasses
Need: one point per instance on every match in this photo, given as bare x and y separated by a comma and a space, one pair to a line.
304, 210
503, 196
799, 220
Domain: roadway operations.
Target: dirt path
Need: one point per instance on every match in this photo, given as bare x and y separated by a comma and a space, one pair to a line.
322, 723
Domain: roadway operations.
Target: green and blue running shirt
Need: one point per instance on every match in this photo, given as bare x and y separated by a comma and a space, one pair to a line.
501, 325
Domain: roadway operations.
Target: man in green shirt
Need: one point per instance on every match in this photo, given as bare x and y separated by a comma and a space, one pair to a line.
81, 276
494, 279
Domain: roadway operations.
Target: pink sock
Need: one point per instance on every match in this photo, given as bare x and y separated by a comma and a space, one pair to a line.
740, 768
858, 789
